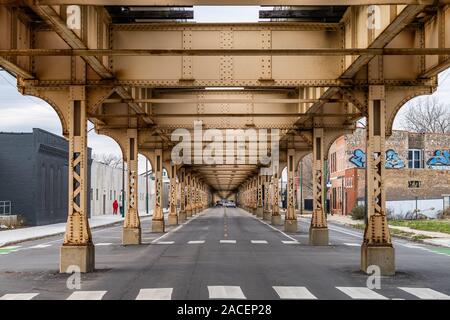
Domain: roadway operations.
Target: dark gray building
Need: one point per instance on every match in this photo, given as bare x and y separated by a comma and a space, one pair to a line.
34, 175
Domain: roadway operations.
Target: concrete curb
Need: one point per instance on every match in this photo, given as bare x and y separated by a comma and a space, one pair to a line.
109, 224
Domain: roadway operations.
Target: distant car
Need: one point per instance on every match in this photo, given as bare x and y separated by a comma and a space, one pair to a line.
230, 204
218, 204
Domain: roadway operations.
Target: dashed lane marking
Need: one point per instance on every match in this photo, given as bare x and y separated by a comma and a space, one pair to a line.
227, 241
259, 241
196, 242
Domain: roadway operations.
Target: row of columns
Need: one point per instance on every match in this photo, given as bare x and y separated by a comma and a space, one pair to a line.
260, 195
78, 249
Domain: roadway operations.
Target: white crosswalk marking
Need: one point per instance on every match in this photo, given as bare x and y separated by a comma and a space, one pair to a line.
19, 296
155, 294
294, 293
227, 241
87, 295
165, 242
426, 293
290, 242
101, 244
196, 242
361, 293
225, 292
41, 246
259, 241
352, 244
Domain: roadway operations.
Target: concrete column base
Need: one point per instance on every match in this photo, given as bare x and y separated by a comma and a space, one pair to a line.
158, 226
381, 256
131, 236
276, 220
267, 216
290, 226
318, 236
82, 257
188, 213
260, 212
182, 217
172, 220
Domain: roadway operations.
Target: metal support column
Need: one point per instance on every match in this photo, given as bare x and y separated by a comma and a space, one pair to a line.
158, 214
132, 227
290, 221
172, 219
377, 246
318, 231
77, 249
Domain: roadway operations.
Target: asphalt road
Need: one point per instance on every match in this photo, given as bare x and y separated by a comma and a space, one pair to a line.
223, 253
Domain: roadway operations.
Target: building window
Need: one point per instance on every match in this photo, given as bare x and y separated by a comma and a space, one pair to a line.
415, 159
333, 162
115, 195
92, 194
96, 194
110, 194
414, 184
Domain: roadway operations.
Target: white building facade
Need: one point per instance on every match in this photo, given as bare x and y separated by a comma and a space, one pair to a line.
106, 186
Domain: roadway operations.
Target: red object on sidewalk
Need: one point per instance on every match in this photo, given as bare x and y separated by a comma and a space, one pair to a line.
115, 206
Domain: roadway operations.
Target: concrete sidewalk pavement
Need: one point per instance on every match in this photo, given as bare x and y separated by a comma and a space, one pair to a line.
8, 237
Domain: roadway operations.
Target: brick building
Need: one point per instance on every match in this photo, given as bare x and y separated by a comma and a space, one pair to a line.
417, 172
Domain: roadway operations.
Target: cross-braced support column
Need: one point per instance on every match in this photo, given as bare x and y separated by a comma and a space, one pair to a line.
77, 250
172, 219
266, 199
259, 204
276, 217
132, 227
318, 231
377, 247
158, 214
182, 214
254, 196
189, 195
290, 221
194, 195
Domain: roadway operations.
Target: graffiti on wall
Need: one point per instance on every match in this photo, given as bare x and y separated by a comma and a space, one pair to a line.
439, 159
358, 158
393, 160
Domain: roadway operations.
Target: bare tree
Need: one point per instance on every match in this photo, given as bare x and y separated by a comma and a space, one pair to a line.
111, 160
427, 114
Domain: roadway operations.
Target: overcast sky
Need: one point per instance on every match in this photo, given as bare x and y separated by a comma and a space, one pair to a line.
22, 113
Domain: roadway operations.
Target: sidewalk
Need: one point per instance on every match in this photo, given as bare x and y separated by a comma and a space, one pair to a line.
9, 237
435, 238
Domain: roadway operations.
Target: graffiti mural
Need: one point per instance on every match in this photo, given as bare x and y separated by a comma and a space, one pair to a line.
358, 158
439, 159
393, 161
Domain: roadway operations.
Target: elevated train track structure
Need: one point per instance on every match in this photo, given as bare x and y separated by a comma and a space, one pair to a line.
304, 77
